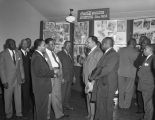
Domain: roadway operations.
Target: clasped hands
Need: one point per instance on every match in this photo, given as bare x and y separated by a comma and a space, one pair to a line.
56, 72
89, 86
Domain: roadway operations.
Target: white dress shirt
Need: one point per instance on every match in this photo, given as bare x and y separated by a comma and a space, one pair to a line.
24, 52
10, 51
53, 62
92, 49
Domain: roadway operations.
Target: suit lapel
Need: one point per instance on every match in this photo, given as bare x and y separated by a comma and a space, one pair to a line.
9, 57
104, 56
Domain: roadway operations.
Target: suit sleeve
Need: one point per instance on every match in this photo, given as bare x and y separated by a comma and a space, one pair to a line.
21, 66
2, 72
40, 69
106, 69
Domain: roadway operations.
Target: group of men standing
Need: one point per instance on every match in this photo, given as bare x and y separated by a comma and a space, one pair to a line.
100, 71
50, 73
106, 71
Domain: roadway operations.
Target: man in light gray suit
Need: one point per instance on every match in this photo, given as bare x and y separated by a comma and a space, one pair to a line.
127, 73
146, 81
55, 97
12, 76
89, 64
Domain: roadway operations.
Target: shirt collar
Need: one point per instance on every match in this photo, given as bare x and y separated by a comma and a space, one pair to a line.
24, 51
108, 50
40, 53
148, 56
93, 49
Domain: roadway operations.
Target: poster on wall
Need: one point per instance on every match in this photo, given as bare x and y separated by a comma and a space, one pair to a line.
60, 31
79, 50
145, 26
111, 28
81, 32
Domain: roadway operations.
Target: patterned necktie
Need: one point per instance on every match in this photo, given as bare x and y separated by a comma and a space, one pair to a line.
54, 56
13, 56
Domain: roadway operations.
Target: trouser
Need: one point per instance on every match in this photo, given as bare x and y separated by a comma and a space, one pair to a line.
26, 97
148, 104
55, 99
8, 95
66, 93
126, 90
41, 102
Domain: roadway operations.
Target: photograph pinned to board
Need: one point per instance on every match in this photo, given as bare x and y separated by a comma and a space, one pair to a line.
112, 25
121, 26
79, 51
108, 28
63, 32
81, 32
138, 24
153, 23
100, 29
146, 24
48, 26
147, 29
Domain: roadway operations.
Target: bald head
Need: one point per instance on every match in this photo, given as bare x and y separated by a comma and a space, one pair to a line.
107, 43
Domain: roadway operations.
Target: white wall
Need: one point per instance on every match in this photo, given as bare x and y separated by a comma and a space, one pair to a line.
18, 20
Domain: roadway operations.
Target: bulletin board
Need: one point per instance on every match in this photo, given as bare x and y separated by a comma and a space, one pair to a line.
144, 26
60, 31
111, 28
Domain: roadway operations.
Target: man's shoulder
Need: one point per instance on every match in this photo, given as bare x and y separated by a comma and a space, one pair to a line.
2, 53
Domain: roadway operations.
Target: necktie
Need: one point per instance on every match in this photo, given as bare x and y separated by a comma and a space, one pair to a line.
25, 53
54, 56
13, 56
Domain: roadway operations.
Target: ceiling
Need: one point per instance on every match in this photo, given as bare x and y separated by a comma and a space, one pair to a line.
58, 9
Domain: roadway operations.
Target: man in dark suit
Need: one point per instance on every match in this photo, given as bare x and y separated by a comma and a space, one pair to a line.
68, 73
143, 41
104, 77
12, 76
26, 87
146, 81
41, 79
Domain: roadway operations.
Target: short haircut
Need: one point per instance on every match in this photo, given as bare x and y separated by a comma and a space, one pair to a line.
132, 41
151, 47
37, 43
110, 40
47, 40
8, 42
65, 43
144, 38
94, 39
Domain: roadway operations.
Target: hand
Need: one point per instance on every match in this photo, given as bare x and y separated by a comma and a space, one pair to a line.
63, 81
5, 85
56, 72
23, 81
74, 80
89, 87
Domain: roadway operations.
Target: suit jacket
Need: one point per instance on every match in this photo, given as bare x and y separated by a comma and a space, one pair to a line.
67, 66
41, 74
140, 59
90, 63
126, 62
26, 65
9, 71
146, 75
106, 73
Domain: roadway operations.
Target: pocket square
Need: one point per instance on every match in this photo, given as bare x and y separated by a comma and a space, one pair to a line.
146, 64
